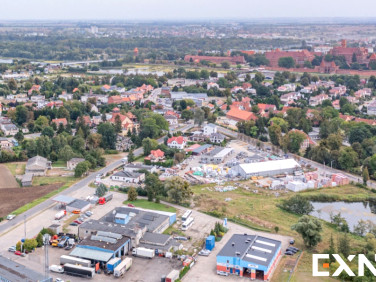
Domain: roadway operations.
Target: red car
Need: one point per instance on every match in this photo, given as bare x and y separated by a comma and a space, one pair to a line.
17, 253
77, 221
131, 206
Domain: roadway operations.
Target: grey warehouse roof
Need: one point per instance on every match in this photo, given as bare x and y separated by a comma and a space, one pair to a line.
252, 248
64, 199
79, 204
91, 254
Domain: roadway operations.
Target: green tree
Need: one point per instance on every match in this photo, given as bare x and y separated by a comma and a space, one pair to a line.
309, 228
199, 116
81, 169
225, 65
41, 122
19, 136
43, 146
178, 189
30, 244
48, 131
78, 145
66, 153
293, 140
132, 194
281, 122
101, 190
153, 186
148, 145
131, 157
365, 175
39, 240
275, 134
187, 115
297, 204
118, 125
348, 158
344, 245
21, 115
286, 62
259, 77
108, 135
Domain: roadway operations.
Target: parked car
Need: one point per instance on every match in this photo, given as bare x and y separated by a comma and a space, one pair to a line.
77, 221
291, 250
223, 273
76, 211
292, 242
12, 249
73, 224
204, 252
294, 249
131, 205
19, 253
69, 247
89, 213
288, 253
59, 280
11, 216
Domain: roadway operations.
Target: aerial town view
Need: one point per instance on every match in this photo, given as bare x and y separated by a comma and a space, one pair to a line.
149, 141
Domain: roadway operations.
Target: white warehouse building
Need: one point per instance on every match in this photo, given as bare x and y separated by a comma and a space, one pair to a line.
269, 168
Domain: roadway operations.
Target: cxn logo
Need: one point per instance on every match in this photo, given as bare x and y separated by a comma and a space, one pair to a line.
362, 261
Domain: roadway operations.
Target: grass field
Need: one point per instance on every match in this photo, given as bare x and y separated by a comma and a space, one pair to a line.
145, 204
59, 163
260, 211
45, 180
16, 168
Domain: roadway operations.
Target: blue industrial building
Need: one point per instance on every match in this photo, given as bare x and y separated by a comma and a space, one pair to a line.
249, 256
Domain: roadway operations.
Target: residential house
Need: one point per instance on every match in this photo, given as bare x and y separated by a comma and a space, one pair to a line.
9, 129
66, 97
34, 88
217, 138
317, 100
155, 156
265, 109
123, 143
210, 129
240, 115
307, 140
37, 166
172, 120
289, 98
362, 93
127, 121
287, 87
5, 143
177, 142
212, 85
352, 100
338, 91
72, 163
371, 108
128, 177
59, 121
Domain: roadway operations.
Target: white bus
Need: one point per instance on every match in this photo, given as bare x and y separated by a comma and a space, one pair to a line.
186, 224
186, 215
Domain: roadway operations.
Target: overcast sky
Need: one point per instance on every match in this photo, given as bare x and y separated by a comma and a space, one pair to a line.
181, 9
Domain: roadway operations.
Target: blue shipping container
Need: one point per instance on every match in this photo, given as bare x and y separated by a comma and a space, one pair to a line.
113, 263
210, 243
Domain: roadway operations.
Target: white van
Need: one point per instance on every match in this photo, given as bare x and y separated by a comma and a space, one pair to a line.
56, 268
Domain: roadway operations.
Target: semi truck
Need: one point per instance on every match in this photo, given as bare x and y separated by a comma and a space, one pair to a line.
143, 252
78, 270
105, 199
60, 215
112, 264
172, 276
123, 267
73, 260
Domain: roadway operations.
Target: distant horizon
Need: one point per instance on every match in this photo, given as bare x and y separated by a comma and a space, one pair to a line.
183, 10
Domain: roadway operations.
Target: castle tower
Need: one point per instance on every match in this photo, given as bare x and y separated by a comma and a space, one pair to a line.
343, 43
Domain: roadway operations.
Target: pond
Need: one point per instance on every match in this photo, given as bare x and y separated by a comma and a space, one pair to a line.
352, 212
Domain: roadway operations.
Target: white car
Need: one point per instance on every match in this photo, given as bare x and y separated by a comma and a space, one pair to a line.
11, 216
56, 268
59, 280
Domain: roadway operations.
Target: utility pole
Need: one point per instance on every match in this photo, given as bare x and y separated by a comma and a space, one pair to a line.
46, 241
25, 226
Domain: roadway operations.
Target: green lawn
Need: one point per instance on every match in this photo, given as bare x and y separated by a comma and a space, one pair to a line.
45, 180
59, 163
16, 168
145, 204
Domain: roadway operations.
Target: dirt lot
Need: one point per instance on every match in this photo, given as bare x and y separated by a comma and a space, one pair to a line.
7, 179
12, 199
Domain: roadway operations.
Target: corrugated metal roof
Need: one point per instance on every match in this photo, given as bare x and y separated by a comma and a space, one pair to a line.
269, 166
91, 254
63, 199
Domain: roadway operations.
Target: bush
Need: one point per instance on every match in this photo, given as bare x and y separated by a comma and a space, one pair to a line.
141, 192
111, 152
184, 271
297, 204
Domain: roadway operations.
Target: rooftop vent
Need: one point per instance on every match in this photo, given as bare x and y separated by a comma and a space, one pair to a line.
233, 244
237, 253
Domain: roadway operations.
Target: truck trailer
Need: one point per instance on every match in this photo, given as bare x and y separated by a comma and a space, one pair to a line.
123, 267
143, 252
172, 276
60, 214
112, 264
73, 260
77, 270
105, 199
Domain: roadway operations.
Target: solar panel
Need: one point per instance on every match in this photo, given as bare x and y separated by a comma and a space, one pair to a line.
109, 234
148, 217
104, 239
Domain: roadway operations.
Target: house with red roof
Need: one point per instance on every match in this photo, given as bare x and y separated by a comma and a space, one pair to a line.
127, 122
239, 115
59, 121
155, 156
35, 88
86, 120
178, 142
361, 53
299, 56
115, 100
317, 100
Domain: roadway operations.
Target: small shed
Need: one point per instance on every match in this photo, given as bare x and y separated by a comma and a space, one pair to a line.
27, 180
